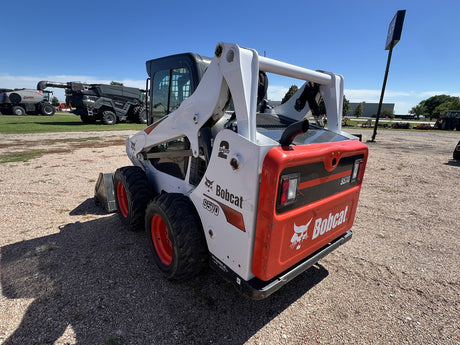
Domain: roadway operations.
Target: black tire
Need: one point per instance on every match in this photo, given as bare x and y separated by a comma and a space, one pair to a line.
85, 118
109, 117
18, 110
140, 114
132, 194
47, 109
456, 154
176, 235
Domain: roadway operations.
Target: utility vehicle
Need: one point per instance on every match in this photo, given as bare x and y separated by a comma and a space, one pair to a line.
258, 196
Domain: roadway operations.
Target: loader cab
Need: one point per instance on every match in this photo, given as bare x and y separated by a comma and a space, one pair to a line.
172, 79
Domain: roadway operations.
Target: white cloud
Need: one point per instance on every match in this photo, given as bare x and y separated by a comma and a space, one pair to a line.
276, 92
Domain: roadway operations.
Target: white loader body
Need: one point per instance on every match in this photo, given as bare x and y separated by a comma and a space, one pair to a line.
228, 195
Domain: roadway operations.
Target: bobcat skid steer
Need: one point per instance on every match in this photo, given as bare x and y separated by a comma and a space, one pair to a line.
258, 196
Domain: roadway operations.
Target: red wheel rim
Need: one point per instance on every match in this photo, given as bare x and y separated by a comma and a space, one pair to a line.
122, 199
161, 241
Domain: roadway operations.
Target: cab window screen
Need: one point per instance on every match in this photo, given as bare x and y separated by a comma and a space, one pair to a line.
180, 87
160, 93
169, 89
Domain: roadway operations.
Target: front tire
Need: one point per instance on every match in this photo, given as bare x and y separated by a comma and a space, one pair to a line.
109, 117
176, 235
85, 118
456, 154
132, 194
18, 110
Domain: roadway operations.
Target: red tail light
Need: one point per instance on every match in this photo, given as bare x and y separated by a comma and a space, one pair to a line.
358, 170
288, 189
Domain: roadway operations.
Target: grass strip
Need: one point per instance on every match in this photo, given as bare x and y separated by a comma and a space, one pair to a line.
24, 156
60, 122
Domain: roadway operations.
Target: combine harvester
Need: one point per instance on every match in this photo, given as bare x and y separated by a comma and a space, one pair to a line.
99, 102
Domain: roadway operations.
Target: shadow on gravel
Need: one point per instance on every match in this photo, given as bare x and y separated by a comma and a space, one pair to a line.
453, 162
88, 206
101, 281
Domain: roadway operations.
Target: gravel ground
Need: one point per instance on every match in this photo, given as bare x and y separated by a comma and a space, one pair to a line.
70, 274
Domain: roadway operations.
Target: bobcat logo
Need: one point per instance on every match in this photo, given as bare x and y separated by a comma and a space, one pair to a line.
208, 183
300, 234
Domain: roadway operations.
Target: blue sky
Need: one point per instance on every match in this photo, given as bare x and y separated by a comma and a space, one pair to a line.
100, 41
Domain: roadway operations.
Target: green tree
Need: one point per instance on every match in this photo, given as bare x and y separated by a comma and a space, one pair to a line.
292, 90
387, 113
431, 103
346, 106
435, 106
116, 83
358, 110
55, 101
453, 104
418, 110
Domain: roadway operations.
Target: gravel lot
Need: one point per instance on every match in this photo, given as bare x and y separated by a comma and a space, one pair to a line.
70, 274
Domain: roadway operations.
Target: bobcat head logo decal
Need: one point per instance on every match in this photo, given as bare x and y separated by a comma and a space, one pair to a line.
300, 234
208, 183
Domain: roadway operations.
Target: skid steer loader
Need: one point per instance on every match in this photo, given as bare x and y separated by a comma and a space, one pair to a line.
260, 197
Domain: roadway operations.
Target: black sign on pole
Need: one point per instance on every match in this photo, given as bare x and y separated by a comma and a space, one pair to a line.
394, 30
393, 37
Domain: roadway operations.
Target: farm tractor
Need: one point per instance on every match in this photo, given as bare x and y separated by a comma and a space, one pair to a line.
258, 196
25, 101
108, 103
449, 121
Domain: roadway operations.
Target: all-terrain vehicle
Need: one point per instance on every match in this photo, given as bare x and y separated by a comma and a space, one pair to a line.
108, 103
260, 197
25, 101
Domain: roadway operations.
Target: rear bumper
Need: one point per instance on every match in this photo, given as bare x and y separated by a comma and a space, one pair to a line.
258, 289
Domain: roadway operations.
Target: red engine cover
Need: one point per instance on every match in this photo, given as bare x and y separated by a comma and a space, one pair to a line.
324, 209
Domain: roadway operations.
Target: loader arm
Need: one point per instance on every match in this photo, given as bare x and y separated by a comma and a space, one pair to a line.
233, 72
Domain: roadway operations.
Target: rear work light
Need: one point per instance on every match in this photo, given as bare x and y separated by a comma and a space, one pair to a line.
358, 170
288, 189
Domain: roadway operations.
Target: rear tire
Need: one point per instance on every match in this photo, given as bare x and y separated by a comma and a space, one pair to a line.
18, 110
140, 114
109, 117
132, 194
176, 235
47, 109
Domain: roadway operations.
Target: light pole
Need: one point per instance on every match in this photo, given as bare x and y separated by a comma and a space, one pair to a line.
393, 37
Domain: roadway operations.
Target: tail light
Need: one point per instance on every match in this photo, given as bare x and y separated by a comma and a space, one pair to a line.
289, 185
358, 170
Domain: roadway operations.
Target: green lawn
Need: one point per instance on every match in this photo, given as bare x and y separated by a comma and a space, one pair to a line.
60, 122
